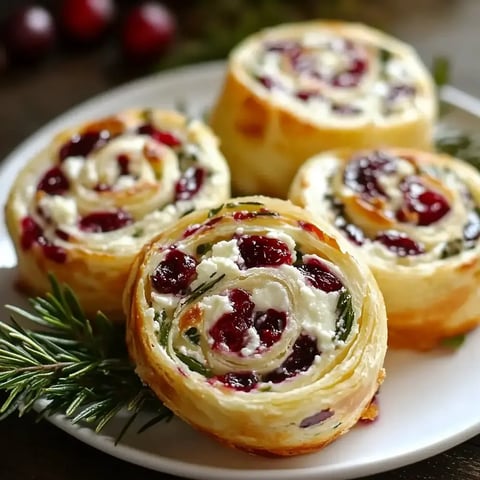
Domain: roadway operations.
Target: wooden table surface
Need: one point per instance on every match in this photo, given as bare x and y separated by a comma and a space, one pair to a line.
30, 97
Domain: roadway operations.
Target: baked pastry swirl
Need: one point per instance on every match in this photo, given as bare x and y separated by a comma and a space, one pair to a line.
415, 218
85, 205
295, 90
257, 326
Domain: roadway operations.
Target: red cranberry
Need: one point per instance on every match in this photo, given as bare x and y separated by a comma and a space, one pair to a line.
31, 232
54, 182
29, 33
201, 226
305, 95
268, 82
242, 381
320, 276
399, 243
123, 161
428, 206
261, 251
300, 360
361, 173
351, 77
352, 232
86, 20
230, 329
81, 145
148, 32
62, 235
167, 138
175, 273
98, 222
54, 253
270, 326
316, 418
190, 183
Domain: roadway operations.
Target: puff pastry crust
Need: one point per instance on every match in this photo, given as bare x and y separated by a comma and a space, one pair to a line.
415, 218
295, 90
257, 326
85, 205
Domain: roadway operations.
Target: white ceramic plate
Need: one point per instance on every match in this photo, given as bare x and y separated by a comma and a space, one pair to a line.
428, 403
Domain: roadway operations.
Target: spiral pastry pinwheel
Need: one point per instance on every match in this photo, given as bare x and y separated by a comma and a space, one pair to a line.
415, 218
295, 90
257, 326
86, 204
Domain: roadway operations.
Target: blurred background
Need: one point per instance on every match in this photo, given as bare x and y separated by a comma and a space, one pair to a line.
57, 53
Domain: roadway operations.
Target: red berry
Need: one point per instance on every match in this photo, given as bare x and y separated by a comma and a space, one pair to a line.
148, 32
86, 20
29, 33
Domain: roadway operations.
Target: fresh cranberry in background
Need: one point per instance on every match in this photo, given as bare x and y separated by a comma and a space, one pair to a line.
29, 33
86, 20
148, 32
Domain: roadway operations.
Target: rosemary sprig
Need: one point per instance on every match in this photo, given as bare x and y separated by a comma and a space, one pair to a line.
78, 368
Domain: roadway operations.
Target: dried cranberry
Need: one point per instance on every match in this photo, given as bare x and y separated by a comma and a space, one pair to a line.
427, 205
320, 276
196, 227
175, 273
230, 329
98, 222
300, 360
400, 243
362, 172
267, 82
242, 381
261, 251
31, 232
351, 77
283, 46
54, 182
306, 95
81, 145
316, 418
190, 183
62, 235
54, 253
161, 136
352, 232
123, 161
270, 326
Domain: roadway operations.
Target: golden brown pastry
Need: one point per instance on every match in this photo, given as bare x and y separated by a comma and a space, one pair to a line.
295, 90
415, 218
257, 326
85, 205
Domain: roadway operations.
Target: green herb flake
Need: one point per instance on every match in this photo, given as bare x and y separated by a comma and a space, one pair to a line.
138, 233
193, 335
187, 212
345, 314
452, 248
214, 211
237, 204
441, 71
165, 327
384, 55
203, 288
454, 342
194, 365
203, 248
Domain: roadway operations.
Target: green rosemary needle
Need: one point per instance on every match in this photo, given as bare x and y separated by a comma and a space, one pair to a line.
77, 367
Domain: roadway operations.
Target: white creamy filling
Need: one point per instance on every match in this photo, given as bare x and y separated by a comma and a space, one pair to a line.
329, 58
62, 210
